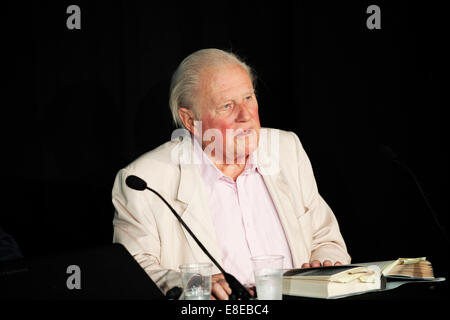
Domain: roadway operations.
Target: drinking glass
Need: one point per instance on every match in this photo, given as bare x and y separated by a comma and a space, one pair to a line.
268, 271
196, 279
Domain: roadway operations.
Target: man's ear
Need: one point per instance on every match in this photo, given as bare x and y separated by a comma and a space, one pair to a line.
187, 117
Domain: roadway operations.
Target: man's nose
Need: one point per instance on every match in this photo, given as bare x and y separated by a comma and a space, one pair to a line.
243, 113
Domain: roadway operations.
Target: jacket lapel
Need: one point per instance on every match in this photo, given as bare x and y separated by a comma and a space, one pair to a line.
196, 213
282, 197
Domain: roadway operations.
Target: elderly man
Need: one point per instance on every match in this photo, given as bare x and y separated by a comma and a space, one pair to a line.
243, 190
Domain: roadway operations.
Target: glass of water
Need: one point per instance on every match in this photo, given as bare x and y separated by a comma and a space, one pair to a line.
196, 279
268, 271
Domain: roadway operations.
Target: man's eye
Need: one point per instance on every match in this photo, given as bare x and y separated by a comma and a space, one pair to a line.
227, 106
248, 98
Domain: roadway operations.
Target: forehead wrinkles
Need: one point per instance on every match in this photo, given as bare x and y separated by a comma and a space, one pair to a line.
222, 83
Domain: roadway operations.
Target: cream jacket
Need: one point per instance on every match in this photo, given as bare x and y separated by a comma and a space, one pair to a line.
150, 232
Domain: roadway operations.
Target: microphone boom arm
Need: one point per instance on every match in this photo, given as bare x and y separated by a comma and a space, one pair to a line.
239, 292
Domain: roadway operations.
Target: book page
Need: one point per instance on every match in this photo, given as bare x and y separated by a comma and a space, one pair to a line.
380, 264
418, 268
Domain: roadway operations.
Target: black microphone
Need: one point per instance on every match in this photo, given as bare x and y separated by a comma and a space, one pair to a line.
238, 290
389, 153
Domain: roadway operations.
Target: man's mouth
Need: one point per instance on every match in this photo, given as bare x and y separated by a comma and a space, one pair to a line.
243, 133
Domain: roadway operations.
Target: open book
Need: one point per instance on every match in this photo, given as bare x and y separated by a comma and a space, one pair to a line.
339, 281
330, 282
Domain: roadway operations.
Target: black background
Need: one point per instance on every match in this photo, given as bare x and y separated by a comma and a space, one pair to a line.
78, 105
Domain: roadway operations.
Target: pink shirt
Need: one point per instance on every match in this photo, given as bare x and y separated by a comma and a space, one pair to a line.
245, 218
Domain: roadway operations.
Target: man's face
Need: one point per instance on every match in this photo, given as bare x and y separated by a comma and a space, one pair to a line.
227, 104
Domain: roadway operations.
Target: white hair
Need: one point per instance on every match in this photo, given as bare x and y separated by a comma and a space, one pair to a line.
186, 78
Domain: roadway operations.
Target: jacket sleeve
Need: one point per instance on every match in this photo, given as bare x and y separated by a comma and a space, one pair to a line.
327, 241
135, 228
